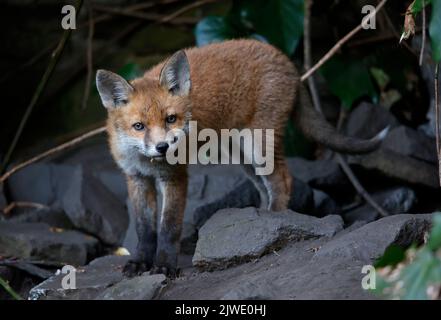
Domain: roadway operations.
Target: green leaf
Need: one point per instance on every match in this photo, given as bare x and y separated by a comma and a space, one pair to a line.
422, 272
434, 242
278, 21
380, 77
418, 5
214, 29
392, 256
435, 30
349, 80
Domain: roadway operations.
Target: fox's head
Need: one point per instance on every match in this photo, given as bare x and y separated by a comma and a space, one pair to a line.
148, 115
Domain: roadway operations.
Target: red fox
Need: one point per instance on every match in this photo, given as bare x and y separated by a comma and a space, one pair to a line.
233, 84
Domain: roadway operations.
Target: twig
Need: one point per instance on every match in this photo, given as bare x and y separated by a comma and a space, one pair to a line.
307, 55
23, 204
52, 151
40, 88
341, 161
184, 9
89, 56
11, 291
339, 44
357, 185
423, 44
153, 17
438, 149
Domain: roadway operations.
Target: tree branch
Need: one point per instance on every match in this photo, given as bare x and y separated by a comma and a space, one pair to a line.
339, 44
39, 90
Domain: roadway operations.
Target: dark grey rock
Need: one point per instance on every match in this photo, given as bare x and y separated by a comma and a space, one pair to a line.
262, 290
370, 241
412, 143
91, 281
320, 268
144, 287
397, 166
320, 174
394, 201
234, 236
93, 208
367, 119
54, 217
39, 241
324, 204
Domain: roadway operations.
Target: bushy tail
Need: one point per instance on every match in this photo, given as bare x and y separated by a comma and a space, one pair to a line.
315, 127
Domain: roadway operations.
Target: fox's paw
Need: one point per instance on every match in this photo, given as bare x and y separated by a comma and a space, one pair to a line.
167, 271
135, 268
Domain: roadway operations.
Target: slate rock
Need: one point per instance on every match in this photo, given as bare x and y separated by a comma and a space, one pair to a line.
319, 174
370, 241
412, 143
91, 281
93, 208
38, 241
394, 201
322, 268
262, 290
55, 217
234, 236
324, 204
144, 287
367, 120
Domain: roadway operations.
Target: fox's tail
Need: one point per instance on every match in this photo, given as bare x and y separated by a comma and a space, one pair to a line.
315, 127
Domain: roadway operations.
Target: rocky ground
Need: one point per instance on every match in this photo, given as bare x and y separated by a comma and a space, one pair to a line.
230, 250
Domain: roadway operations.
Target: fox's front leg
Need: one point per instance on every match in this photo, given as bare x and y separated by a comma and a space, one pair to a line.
142, 194
174, 192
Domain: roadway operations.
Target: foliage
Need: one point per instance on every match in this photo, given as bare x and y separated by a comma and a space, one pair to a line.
279, 22
414, 274
337, 72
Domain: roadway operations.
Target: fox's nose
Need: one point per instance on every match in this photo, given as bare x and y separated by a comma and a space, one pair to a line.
162, 147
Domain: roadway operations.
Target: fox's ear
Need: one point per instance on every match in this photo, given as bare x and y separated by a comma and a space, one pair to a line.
114, 90
175, 74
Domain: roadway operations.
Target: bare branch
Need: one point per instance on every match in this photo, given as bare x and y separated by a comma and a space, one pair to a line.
338, 45
39, 90
52, 151
23, 204
423, 44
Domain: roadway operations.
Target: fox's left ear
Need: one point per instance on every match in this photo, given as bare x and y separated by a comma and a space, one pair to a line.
175, 74
114, 90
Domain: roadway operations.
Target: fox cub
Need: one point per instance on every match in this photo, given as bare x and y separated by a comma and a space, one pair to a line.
235, 84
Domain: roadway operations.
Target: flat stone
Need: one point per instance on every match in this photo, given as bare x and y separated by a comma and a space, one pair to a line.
234, 236
91, 281
144, 287
39, 241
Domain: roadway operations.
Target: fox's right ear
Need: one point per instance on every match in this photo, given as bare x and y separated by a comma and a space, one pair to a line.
114, 90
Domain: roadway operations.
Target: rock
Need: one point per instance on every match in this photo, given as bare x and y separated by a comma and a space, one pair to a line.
144, 287
91, 281
369, 242
322, 268
54, 217
39, 241
367, 119
234, 236
412, 143
93, 208
302, 197
319, 174
394, 201
324, 204
397, 166
252, 291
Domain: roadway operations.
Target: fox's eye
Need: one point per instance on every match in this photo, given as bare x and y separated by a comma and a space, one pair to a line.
171, 119
138, 126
